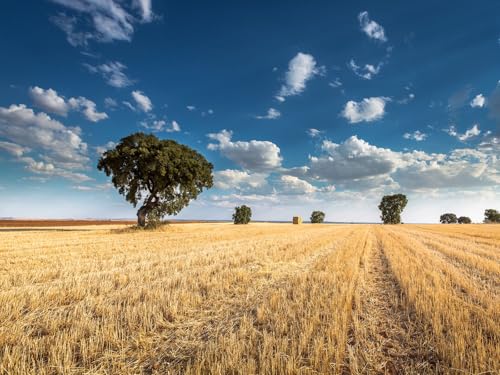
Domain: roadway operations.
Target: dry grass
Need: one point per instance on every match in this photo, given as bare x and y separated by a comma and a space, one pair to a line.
262, 298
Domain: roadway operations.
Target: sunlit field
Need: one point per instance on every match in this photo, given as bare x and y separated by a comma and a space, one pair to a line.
258, 298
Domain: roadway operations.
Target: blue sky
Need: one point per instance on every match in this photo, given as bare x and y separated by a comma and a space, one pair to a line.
298, 106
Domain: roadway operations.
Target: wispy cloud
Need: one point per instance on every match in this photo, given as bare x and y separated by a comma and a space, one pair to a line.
112, 72
371, 28
301, 69
272, 114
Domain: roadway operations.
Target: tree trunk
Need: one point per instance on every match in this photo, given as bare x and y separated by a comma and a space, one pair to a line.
141, 216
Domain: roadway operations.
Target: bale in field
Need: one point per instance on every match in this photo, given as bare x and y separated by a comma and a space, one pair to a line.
297, 220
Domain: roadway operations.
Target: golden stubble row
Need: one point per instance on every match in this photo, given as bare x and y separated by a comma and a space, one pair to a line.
260, 298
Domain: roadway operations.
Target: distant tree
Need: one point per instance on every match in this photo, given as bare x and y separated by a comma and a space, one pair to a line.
242, 214
464, 220
162, 175
317, 217
491, 216
391, 207
448, 218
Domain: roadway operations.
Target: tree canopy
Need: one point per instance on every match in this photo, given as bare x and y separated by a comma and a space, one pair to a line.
242, 214
162, 175
317, 217
491, 216
448, 218
391, 207
464, 220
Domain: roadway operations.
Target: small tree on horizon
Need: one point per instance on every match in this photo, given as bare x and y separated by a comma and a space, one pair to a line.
162, 175
391, 207
491, 216
464, 220
448, 218
242, 214
317, 217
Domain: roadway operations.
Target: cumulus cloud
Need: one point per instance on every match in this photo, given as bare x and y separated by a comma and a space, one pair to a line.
252, 155
60, 148
473, 132
301, 69
101, 20
112, 72
371, 28
239, 180
142, 101
478, 102
50, 101
367, 110
295, 185
417, 135
357, 165
366, 72
272, 114
191, 108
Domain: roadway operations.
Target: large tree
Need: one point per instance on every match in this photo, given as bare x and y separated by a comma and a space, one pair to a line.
464, 220
491, 216
162, 175
391, 207
448, 218
317, 217
242, 214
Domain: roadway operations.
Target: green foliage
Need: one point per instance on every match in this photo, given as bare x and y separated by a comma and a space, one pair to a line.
161, 174
317, 217
242, 214
391, 207
491, 216
448, 218
464, 220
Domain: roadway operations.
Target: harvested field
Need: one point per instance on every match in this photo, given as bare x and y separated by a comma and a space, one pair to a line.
258, 298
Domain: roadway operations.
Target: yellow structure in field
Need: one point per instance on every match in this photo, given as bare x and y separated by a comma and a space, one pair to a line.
297, 220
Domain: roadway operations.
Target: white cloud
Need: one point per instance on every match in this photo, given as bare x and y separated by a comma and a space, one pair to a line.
145, 7
295, 185
235, 179
143, 102
110, 103
366, 72
50, 101
161, 125
13, 148
417, 135
368, 110
272, 114
335, 83
301, 69
112, 72
313, 133
478, 101
371, 28
101, 20
191, 108
252, 155
474, 131
129, 105
102, 149
356, 165
174, 127
88, 108
470, 133
60, 148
